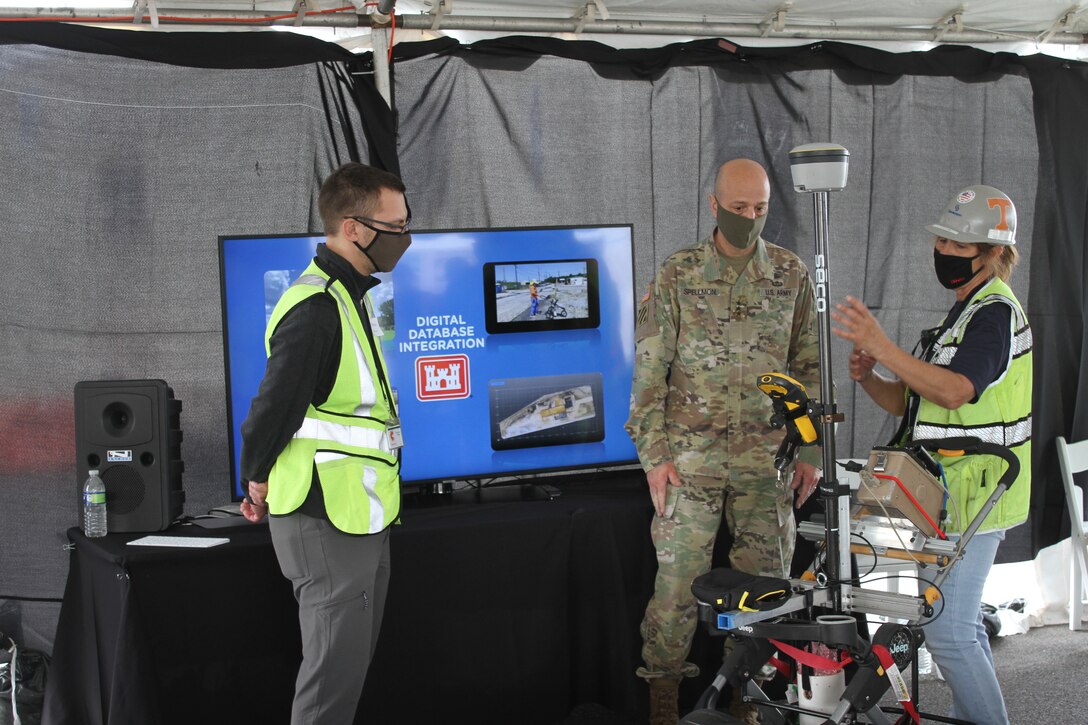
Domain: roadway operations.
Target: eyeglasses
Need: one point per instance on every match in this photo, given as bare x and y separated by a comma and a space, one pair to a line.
385, 227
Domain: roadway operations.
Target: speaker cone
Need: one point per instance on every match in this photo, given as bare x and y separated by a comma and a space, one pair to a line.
117, 419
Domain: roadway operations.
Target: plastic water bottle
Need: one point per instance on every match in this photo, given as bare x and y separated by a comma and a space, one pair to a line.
94, 505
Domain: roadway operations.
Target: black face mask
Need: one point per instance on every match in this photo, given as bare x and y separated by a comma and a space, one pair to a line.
953, 272
386, 250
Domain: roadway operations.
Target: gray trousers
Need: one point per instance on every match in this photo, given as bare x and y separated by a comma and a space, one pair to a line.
340, 582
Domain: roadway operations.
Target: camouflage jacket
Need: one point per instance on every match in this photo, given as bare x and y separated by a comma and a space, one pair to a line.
703, 336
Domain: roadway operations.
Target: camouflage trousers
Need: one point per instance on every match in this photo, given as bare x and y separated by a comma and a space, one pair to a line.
760, 518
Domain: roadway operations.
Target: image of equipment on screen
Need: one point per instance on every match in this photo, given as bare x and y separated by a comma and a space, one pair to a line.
546, 411
530, 296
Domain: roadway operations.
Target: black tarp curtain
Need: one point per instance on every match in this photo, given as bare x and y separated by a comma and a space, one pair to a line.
1056, 302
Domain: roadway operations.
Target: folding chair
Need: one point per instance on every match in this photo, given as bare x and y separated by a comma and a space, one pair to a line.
1073, 458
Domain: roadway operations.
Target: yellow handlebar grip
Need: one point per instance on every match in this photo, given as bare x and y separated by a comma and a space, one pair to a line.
804, 427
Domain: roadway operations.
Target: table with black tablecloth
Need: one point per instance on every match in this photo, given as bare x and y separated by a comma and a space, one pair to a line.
498, 611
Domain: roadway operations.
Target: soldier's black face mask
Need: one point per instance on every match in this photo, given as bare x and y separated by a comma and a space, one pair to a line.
738, 230
953, 272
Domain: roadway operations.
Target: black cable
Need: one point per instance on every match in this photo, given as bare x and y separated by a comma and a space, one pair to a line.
872, 549
30, 599
851, 466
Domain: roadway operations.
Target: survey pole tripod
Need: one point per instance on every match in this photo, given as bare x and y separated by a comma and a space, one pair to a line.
819, 169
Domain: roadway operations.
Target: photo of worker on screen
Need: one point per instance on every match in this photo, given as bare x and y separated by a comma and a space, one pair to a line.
541, 295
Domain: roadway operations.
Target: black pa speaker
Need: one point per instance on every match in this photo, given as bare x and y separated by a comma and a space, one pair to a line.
130, 430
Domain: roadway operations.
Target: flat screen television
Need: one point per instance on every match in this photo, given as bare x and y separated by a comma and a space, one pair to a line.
511, 350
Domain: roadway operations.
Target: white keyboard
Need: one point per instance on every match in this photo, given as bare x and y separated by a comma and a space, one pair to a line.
186, 542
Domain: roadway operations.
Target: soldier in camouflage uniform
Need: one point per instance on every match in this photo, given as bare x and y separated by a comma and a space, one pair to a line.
716, 316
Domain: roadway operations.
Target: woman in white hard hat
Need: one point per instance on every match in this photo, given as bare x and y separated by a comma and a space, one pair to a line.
973, 378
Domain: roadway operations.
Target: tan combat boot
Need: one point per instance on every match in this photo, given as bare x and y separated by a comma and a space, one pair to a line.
664, 696
665, 692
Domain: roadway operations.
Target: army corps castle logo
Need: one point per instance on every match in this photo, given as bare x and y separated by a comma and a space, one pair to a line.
442, 377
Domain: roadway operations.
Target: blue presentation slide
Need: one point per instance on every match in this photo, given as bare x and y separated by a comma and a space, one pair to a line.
547, 392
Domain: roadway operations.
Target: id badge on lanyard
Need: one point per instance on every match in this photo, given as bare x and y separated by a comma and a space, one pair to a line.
394, 433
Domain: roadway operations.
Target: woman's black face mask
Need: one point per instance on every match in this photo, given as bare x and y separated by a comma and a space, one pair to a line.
953, 272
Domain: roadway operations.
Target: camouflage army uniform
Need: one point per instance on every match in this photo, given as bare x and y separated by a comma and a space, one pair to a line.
703, 335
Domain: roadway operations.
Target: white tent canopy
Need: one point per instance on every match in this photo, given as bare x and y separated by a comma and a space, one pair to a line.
1054, 27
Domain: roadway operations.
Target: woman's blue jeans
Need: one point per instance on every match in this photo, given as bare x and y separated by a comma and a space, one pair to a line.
957, 638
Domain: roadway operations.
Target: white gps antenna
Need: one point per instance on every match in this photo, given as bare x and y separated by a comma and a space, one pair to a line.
820, 168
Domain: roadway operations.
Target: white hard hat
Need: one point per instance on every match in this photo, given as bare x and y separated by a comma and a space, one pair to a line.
978, 215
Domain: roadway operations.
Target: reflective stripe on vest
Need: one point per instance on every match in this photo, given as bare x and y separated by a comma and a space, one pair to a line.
344, 435
1007, 434
1021, 343
947, 347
